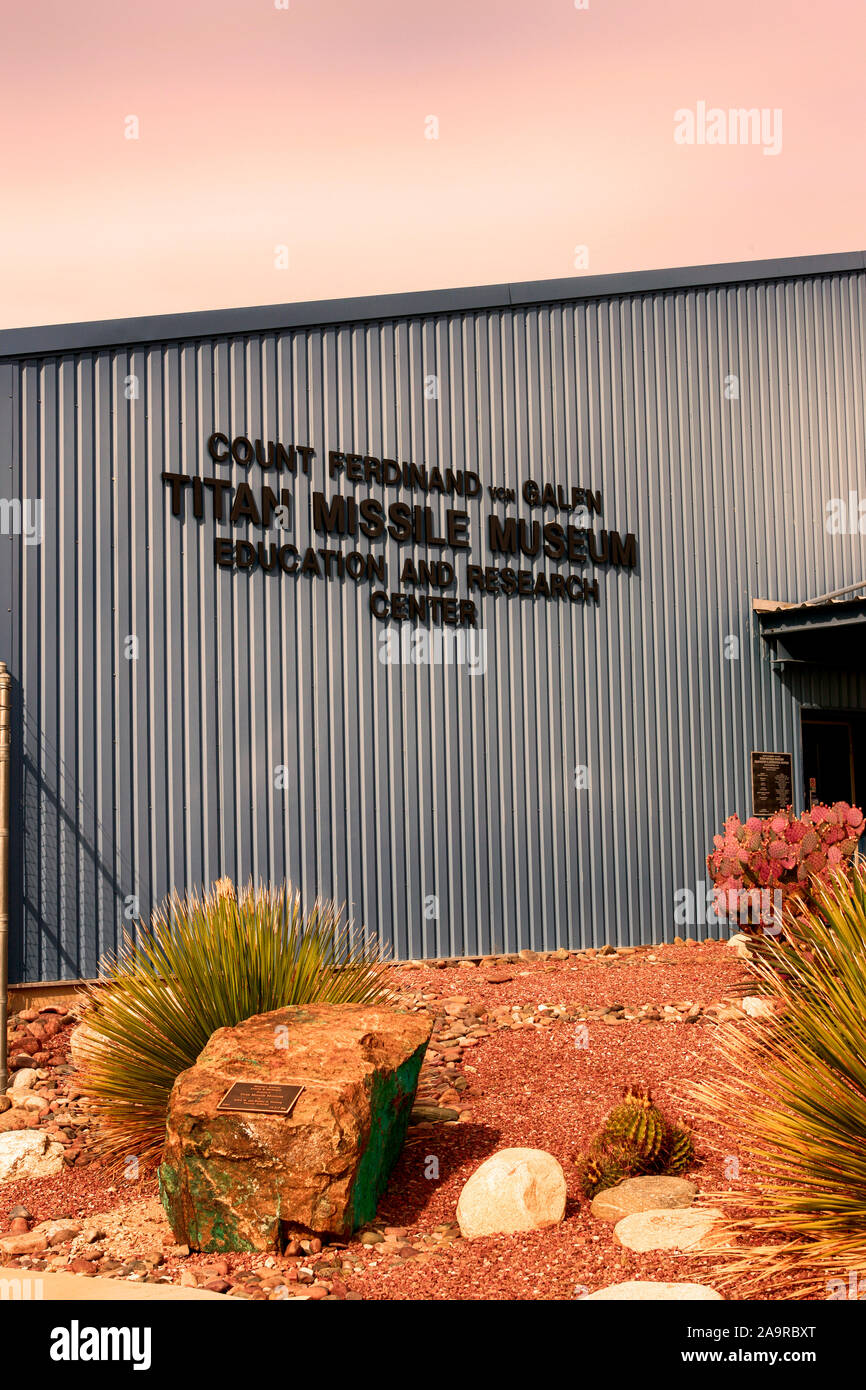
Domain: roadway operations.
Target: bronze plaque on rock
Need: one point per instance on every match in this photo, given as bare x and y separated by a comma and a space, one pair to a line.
261, 1099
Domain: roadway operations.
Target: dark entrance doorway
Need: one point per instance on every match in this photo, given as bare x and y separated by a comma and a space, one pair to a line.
834, 757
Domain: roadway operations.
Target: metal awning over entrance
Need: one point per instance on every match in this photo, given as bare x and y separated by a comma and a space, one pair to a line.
826, 631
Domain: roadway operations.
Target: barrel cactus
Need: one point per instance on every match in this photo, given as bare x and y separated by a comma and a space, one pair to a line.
636, 1126
597, 1171
635, 1140
680, 1150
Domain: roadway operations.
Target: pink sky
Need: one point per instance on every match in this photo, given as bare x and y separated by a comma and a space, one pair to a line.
262, 127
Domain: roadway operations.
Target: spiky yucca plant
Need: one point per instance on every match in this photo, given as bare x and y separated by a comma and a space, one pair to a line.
795, 1092
207, 961
635, 1140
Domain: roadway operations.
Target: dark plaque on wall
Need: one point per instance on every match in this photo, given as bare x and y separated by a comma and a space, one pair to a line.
772, 782
264, 1100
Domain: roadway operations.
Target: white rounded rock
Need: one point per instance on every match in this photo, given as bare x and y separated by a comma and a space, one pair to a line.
513, 1190
692, 1229
81, 1040
23, 1080
30, 1100
29, 1153
648, 1290
741, 943
756, 1007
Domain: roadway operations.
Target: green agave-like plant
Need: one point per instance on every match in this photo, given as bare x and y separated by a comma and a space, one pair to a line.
208, 961
795, 1093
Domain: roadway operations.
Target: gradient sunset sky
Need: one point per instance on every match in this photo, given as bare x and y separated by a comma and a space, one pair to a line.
307, 128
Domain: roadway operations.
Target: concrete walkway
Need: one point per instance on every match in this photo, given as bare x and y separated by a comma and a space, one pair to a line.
40, 1285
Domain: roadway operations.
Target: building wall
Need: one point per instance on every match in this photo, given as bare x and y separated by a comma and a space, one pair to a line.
408, 783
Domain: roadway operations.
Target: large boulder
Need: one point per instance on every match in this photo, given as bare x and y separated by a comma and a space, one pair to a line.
29, 1153
514, 1190
232, 1180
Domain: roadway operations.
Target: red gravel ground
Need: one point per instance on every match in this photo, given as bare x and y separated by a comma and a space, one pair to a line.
539, 1089
536, 1088
702, 974
74, 1192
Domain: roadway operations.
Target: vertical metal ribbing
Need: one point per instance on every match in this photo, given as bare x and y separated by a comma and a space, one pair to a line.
5, 754
407, 782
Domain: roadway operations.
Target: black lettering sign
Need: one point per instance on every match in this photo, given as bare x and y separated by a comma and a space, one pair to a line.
772, 781
260, 1099
432, 520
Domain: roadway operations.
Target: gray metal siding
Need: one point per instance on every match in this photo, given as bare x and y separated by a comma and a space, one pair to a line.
137, 776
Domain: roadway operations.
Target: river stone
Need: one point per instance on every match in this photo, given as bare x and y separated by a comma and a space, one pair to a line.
16, 1118
669, 1230
647, 1290
82, 1041
741, 943
756, 1007
29, 1153
513, 1190
433, 1114
38, 1240
24, 1080
642, 1194
245, 1181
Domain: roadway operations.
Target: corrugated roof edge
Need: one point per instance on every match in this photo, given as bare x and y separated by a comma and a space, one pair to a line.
160, 328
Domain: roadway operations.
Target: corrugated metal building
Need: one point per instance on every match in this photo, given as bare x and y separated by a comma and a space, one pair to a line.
182, 712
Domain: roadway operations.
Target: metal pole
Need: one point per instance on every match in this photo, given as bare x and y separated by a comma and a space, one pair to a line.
836, 593
5, 752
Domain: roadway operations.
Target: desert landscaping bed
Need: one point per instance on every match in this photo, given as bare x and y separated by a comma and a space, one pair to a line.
527, 1052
